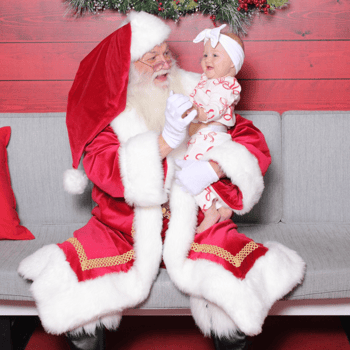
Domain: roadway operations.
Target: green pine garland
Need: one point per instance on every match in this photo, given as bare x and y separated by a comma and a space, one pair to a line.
237, 13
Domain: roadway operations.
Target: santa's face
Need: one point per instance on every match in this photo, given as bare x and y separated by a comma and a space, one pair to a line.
156, 64
216, 63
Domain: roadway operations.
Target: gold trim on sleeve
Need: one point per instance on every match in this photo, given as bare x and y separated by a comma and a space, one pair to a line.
88, 264
235, 260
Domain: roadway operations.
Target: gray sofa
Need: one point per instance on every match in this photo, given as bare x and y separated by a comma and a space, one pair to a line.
305, 206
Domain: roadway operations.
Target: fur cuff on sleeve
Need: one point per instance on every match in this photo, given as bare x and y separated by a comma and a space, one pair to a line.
142, 170
242, 168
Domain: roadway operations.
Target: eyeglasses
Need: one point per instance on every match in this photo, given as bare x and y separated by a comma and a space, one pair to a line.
157, 65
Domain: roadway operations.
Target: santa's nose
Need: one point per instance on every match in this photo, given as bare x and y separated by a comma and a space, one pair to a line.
163, 63
166, 64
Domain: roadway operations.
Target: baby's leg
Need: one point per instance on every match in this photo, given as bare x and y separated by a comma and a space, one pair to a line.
211, 217
225, 213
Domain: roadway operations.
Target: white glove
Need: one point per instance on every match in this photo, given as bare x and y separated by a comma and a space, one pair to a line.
175, 127
195, 175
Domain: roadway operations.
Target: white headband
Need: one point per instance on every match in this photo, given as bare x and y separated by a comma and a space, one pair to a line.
233, 49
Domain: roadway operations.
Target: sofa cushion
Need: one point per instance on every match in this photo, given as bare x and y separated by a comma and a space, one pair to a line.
13, 252
316, 166
325, 249
40, 149
38, 155
322, 246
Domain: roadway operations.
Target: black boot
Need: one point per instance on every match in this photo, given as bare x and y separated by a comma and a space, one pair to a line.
85, 341
237, 342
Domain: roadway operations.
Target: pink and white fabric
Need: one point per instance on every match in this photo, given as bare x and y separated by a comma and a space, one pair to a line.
200, 143
218, 98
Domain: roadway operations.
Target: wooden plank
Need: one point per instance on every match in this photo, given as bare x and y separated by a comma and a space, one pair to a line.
44, 61
285, 95
304, 20
34, 96
263, 95
280, 60
264, 60
44, 21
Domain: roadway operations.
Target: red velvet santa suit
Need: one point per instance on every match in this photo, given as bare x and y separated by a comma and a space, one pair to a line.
110, 264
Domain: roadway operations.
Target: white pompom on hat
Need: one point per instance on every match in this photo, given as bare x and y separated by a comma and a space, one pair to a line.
98, 94
147, 31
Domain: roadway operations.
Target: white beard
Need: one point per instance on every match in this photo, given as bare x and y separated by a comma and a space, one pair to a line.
149, 99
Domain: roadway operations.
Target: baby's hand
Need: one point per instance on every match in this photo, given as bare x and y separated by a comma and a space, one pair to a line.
201, 115
188, 112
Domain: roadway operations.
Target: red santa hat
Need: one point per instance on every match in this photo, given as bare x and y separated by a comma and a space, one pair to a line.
99, 90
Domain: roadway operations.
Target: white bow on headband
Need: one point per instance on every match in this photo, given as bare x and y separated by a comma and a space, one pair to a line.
233, 49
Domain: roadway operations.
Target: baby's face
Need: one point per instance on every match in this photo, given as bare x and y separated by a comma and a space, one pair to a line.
216, 63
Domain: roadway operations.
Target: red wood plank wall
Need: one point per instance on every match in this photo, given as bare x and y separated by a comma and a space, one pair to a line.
296, 59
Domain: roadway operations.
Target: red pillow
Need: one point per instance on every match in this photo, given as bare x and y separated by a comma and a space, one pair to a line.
9, 221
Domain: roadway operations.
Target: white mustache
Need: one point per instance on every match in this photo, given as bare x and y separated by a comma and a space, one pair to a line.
161, 72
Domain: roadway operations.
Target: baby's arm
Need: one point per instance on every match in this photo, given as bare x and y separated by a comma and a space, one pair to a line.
201, 115
222, 97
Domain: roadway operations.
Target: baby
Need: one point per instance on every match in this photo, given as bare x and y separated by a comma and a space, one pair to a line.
214, 98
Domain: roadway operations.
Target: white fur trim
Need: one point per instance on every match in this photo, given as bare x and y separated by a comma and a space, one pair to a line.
142, 170
110, 322
64, 304
74, 181
140, 161
247, 301
242, 168
128, 124
189, 80
147, 32
210, 318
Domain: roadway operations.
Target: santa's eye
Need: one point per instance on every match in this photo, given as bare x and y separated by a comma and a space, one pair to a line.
151, 59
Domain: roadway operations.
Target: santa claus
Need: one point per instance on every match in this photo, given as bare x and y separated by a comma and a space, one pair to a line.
124, 118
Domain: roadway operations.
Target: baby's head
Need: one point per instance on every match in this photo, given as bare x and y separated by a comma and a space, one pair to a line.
223, 53
236, 38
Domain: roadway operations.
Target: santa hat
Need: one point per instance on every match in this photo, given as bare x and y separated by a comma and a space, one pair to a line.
99, 90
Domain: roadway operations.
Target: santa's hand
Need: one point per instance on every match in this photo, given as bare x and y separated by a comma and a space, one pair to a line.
195, 175
174, 131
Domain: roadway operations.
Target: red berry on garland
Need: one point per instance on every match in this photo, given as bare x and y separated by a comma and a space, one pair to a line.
159, 9
160, 4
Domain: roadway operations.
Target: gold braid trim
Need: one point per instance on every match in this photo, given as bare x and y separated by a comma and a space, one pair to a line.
235, 260
88, 264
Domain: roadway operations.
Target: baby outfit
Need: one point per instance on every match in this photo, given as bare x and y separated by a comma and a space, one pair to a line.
218, 98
